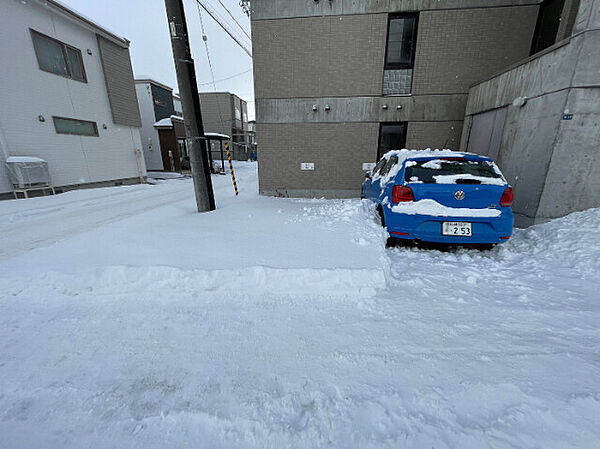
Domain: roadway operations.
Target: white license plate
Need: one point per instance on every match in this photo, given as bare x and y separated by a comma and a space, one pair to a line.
459, 228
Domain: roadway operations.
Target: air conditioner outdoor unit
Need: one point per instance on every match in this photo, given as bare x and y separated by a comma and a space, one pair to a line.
28, 172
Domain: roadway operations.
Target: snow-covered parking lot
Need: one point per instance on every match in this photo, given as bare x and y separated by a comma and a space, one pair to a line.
128, 320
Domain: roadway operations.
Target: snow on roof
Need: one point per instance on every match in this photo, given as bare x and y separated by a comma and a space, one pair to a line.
217, 136
62, 7
143, 79
17, 159
167, 122
164, 123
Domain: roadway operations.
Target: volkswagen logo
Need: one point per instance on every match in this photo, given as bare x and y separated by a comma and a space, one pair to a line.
459, 195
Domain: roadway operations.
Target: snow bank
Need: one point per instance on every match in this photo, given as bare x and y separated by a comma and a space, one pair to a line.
165, 175
433, 208
252, 281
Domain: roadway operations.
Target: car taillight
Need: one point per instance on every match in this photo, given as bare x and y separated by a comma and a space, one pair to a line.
402, 194
507, 197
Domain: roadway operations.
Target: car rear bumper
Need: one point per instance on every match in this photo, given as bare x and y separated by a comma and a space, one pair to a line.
429, 228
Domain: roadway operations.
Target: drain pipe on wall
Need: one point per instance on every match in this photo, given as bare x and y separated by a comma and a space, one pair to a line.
3, 145
138, 158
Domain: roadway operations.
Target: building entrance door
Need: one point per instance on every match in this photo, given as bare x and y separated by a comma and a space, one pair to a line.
392, 136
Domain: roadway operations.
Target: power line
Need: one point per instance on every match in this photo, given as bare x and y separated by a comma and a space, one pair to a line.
244, 37
234, 19
225, 79
212, 13
212, 73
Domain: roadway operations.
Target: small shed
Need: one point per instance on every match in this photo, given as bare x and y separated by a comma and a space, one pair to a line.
173, 147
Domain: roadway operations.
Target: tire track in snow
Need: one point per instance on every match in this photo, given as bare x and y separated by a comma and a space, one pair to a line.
59, 224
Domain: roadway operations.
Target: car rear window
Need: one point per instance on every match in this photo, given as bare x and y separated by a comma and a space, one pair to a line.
453, 171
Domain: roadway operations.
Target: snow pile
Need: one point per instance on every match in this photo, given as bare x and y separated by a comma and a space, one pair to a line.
129, 320
256, 280
433, 208
159, 175
569, 244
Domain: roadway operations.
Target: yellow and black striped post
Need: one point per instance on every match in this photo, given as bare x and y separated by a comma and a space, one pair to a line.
231, 168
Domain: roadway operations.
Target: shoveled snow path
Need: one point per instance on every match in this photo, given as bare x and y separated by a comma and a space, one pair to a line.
284, 323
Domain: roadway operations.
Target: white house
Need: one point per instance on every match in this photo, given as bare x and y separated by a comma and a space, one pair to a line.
67, 96
156, 102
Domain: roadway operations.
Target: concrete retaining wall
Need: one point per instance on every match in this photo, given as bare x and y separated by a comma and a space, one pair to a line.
551, 139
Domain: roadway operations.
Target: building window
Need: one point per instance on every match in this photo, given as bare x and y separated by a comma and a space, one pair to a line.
548, 22
392, 136
57, 57
400, 54
76, 127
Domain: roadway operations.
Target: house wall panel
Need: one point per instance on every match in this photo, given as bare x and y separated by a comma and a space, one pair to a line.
27, 92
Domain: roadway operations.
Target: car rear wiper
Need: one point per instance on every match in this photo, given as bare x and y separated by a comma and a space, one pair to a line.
467, 181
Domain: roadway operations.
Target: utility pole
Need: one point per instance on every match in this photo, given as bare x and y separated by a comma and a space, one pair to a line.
190, 102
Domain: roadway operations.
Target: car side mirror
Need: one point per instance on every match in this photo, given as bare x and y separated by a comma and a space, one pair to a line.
368, 175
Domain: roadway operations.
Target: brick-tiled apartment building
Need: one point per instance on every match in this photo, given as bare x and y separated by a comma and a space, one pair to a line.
338, 83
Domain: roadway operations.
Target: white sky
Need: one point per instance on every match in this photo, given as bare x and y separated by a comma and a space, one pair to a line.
144, 23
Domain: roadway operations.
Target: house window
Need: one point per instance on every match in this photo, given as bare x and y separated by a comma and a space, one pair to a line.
57, 57
76, 127
400, 54
392, 136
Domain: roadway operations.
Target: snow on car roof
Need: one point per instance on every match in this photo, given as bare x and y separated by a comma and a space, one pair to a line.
406, 154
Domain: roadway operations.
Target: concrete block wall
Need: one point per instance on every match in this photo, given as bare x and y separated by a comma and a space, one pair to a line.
333, 53
319, 56
217, 113
425, 134
458, 48
337, 150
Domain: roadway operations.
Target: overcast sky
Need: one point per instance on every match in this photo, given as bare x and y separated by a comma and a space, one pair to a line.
144, 23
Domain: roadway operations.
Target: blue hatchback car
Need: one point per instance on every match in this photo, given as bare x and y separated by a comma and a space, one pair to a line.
441, 196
